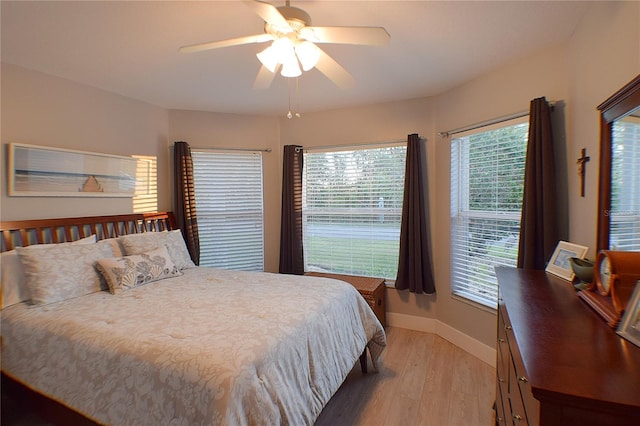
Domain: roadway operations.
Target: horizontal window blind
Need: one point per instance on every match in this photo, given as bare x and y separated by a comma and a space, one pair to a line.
145, 197
229, 203
625, 185
487, 172
352, 206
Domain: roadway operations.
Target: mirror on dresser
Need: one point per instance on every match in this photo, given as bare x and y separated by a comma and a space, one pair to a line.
619, 182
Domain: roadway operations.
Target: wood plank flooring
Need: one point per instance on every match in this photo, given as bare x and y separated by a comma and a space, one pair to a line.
424, 380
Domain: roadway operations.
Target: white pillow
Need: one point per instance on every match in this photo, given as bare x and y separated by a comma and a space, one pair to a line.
124, 273
146, 241
61, 272
12, 281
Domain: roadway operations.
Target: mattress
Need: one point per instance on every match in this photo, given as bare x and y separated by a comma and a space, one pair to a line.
209, 347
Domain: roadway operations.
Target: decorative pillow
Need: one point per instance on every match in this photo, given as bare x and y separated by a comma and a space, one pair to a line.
13, 282
115, 247
60, 272
124, 273
140, 243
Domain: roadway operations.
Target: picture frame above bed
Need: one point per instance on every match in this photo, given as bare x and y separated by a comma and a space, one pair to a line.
38, 171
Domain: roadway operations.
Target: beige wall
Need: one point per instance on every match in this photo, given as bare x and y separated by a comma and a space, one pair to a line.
602, 55
40, 109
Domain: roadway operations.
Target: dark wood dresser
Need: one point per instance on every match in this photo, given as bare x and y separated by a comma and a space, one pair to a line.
558, 363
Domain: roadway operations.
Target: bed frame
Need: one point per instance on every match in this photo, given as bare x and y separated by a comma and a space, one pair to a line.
22, 233
18, 399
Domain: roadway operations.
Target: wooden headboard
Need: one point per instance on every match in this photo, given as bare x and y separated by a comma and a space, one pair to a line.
22, 233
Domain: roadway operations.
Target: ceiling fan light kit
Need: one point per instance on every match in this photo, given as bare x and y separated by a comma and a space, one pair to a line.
293, 43
287, 52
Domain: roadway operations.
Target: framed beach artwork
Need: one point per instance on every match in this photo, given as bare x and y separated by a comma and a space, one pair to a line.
37, 171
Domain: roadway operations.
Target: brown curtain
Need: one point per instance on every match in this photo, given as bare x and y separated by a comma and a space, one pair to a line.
539, 222
414, 265
291, 254
186, 216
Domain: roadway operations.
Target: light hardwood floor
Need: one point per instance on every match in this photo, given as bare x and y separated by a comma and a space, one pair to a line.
424, 380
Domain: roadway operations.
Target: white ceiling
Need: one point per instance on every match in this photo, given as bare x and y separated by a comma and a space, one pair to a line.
131, 48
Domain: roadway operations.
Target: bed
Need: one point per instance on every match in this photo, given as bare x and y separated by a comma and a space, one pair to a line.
115, 322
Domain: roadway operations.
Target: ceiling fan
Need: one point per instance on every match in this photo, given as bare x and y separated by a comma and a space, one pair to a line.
294, 44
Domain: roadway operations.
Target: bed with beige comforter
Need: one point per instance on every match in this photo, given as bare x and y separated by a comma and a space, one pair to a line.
210, 347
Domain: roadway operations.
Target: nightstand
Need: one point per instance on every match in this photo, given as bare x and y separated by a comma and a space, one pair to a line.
372, 289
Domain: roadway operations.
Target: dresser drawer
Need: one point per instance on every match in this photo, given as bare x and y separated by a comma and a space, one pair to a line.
520, 379
518, 412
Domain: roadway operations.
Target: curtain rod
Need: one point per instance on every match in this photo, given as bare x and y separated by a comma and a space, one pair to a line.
489, 122
483, 124
318, 148
232, 149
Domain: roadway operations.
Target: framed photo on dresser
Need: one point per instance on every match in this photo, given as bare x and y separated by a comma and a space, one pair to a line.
629, 327
559, 263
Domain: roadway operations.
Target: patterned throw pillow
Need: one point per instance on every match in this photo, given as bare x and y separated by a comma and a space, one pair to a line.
58, 272
124, 273
141, 243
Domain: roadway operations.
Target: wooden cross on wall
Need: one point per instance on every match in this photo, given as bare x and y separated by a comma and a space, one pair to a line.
582, 161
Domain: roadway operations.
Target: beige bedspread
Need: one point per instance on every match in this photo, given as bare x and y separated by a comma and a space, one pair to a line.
209, 347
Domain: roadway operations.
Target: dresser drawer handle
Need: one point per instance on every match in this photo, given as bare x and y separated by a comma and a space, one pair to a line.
523, 379
508, 327
518, 417
501, 340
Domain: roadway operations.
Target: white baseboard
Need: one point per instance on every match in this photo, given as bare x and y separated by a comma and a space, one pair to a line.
429, 325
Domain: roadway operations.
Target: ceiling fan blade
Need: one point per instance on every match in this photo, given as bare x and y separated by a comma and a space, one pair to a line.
264, 78
370, 36
260, 38
268, 12
334, 71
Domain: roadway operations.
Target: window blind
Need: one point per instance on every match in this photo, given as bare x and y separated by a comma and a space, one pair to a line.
352, 206
229, 203
625, 185
487, 173
145, 198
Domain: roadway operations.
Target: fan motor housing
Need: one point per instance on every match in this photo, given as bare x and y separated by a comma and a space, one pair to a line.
297, 18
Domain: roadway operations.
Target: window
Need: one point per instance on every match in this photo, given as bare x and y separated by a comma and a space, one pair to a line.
228, 190
351, 207
625, 185
487, 175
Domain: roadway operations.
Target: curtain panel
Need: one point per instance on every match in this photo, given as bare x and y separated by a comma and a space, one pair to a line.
414, 265
185, 211
291, 251
539, 233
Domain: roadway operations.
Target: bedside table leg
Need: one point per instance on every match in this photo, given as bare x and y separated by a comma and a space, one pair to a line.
363, 361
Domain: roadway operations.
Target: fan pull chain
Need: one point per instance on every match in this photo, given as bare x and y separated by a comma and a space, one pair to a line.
289, 114
297, 114
298, 97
